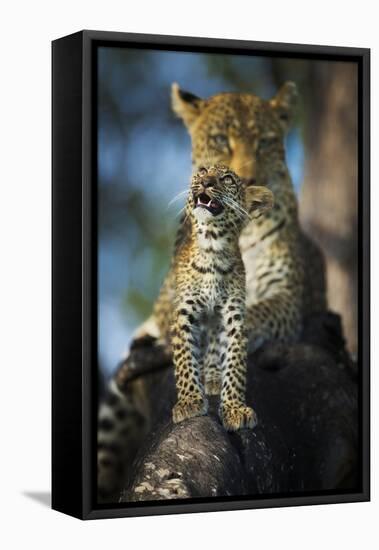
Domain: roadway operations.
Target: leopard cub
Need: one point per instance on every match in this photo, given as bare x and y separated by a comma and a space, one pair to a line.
207, 329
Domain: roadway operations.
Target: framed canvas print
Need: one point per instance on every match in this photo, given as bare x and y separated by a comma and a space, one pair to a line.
210, 275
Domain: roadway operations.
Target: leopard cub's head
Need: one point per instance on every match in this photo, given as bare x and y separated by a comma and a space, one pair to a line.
219, 198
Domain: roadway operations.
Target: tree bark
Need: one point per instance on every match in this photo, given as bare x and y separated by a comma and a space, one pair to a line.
305, 397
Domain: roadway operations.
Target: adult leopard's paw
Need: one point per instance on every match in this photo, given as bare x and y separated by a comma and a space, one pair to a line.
189, 408
237, 417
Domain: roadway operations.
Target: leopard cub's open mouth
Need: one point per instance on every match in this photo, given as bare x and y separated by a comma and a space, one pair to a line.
205, 201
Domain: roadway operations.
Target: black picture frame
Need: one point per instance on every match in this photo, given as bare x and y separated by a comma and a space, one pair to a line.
74, 294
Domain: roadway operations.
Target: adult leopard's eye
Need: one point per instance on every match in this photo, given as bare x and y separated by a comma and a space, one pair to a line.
203, 171
265, 142
221, 140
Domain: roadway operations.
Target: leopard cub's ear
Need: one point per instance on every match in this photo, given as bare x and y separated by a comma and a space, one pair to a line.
258, 199
185, 105
285, 103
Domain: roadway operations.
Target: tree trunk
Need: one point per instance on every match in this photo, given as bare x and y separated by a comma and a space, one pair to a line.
305, 397
329, 198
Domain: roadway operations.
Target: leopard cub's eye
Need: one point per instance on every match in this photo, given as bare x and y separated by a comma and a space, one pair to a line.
221, 140
228, 180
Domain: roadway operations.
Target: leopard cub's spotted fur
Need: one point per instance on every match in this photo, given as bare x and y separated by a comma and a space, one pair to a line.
209, 297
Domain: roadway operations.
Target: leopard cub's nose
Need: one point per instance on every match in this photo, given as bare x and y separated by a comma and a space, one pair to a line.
209, 181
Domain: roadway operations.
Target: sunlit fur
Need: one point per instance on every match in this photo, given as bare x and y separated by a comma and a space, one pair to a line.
206, 325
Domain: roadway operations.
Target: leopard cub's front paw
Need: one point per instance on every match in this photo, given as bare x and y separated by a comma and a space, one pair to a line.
237, 417
189, 408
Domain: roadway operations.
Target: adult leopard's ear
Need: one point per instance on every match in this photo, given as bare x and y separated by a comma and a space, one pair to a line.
186, 105
285, 103
258, 199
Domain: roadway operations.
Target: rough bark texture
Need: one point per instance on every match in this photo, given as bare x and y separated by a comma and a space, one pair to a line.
305, 396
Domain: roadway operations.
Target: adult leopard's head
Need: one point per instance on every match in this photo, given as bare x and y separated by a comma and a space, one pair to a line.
218, 198
239, 130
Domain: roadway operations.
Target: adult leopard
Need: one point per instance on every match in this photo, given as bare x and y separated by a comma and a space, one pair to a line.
284, 269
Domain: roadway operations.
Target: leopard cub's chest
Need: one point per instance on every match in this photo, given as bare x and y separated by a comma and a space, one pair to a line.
210, 269
213, 289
